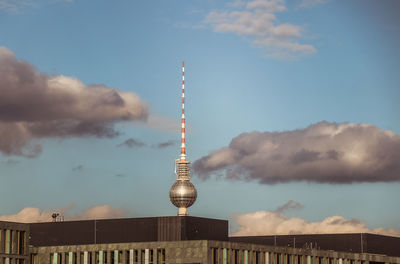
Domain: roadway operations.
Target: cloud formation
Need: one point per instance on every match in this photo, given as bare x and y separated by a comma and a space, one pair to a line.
34, 105
131, 143
276, 223
166, 144
15, 6
339, 153
256, 19
289, 206
78, 168
34, 215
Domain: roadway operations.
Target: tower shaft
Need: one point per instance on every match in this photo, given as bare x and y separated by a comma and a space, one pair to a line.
183, 147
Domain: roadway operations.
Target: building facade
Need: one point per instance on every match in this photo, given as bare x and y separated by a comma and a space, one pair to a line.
198, 251
14, 247
181, 239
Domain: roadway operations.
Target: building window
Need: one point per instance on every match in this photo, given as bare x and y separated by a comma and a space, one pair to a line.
21, 242
90, 258
12, 243
266, 257
161, 256
142, 256
235, 256
7, 241
54, 258
151, 256
105, 257
128, 256
99, 257
136, 256
214, 255
224, 256
33, 259
68, 258
81, 258
146, 256
256, 257
114, 257
246, 257
112, 254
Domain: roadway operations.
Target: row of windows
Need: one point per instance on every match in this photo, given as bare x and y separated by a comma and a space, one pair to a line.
12, 241
235, 256
12, 261
133, 256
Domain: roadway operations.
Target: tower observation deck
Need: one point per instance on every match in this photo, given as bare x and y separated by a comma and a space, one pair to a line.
182, 194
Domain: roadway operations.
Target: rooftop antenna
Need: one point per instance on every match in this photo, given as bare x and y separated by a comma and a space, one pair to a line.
182, 194
54, 216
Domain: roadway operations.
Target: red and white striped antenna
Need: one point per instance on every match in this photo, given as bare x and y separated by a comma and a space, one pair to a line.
183, 148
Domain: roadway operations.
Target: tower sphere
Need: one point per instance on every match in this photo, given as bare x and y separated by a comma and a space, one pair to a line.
182, 194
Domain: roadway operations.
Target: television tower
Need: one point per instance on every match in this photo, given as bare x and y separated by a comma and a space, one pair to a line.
182, 194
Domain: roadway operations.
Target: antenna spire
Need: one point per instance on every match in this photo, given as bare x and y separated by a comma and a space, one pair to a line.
182, 193
183, 147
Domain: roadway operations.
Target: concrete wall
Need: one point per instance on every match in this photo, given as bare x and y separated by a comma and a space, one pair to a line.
356, 243
200, 251
175, 252
287, 255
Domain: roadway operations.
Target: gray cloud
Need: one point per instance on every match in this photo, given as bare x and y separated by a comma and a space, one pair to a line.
78, 168
289, 206
34, 105
131, 143
257, 20
12, 162
325, 152
166, 144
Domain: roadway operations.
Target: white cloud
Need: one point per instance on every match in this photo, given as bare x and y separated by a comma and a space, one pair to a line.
257, 20
33, 215
15, 6
277, 223
267, 5
100, 212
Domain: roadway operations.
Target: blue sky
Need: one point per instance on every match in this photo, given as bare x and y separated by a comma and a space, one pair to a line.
334, 61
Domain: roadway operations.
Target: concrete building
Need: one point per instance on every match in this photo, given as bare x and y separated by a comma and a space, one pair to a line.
181, 239
14, 247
